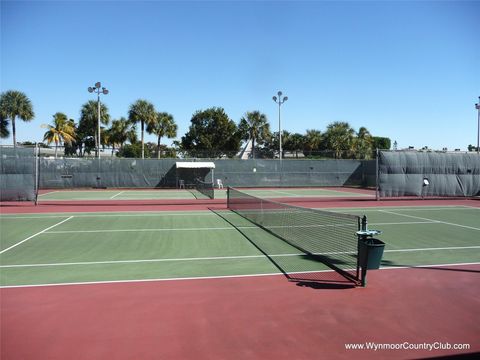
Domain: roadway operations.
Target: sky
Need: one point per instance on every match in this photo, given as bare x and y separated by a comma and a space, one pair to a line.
406, 70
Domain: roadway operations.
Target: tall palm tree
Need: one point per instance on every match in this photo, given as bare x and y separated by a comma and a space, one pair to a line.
62, 130
142, 112
87, 127
164, 125
313, 139
254, 126
14, 104
339, 137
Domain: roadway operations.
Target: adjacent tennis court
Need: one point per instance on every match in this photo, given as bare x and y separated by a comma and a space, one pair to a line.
46, 196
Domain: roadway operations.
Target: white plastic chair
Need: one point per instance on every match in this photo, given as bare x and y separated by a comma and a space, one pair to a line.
181, 184
219, 183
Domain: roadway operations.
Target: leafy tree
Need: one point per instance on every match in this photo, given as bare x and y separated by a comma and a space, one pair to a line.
213, 132
472, 148
362, 144
14, 104
339, 137
295, 142
381, 143
254, 126
87, 127
62, 131
168, 152
164, 125
142, 112
272, 144
133, 151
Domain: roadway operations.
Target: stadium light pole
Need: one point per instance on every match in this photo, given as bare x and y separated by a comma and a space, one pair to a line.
104, 91
477, 106
280, 101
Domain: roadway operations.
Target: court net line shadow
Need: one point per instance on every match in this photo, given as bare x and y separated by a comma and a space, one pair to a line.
304, 282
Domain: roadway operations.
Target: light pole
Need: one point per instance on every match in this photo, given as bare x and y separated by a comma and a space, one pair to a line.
477, 106
280, 101
104, 91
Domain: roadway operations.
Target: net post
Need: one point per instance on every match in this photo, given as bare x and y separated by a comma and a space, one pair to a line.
36, 156
228, 197
358, 251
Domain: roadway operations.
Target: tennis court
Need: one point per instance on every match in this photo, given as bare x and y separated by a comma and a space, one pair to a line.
209, 283
161, 245
182, 194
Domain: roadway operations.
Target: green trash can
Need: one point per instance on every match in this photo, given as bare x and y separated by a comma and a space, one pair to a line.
370, 252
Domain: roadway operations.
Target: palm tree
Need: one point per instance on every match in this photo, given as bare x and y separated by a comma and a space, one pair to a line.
313, 139
62, 130
339, 137
142, 112
295, 142
363, 144
14, 104
120, 132
164, 125
254, 126
87, 127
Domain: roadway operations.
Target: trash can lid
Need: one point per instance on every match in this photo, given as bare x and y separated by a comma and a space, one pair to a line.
368, 232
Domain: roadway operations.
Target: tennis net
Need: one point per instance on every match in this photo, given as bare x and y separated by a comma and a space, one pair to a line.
205, 188
326, 236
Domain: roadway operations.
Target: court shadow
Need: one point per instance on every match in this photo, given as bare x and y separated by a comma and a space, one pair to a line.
324, 286
324, 279
448, 269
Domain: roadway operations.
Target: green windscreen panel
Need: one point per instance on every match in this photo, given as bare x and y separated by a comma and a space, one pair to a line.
428, 174
17, 174
157, 173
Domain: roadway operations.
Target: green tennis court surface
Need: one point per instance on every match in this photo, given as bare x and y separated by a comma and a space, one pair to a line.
119, 194
92, 247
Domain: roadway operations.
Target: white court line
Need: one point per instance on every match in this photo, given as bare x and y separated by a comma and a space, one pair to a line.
50, 192
437, 221
421, 208
226, 228
97, 215
146, 230
38, 233
219, 277
435, 249
148, 260
114, 196
114, 262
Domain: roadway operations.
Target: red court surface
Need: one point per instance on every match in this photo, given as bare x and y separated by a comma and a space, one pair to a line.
186, 205
244, 318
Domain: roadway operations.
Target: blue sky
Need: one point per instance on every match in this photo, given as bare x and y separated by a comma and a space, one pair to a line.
405, 70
